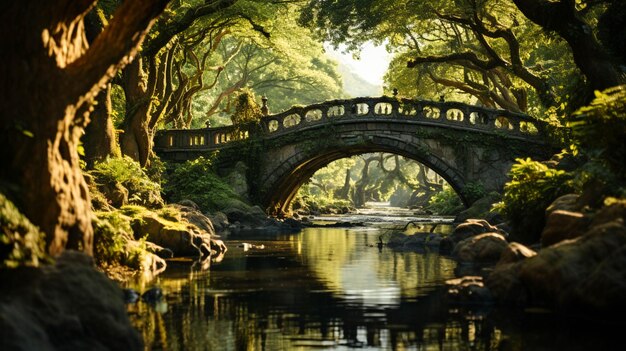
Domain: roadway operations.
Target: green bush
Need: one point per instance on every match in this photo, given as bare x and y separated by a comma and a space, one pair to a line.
113, 237
21, 242
598, 133
445, 202
533, 187
196, 181
474, 191
125, 171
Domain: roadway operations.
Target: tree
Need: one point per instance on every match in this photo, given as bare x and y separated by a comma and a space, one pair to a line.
148, 81
488, 49
564, 18
50, 77
288, 68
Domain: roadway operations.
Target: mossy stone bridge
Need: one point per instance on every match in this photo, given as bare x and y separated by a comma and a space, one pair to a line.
467, 145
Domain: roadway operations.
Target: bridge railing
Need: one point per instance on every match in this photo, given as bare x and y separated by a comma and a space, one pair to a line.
453, 114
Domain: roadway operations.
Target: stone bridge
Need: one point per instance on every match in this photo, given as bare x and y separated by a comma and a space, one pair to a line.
467, 145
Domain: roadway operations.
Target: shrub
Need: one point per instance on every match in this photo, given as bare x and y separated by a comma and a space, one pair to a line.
445, 202
532, 189
21, 242
598, 132
125, 171
196, 181
112, 241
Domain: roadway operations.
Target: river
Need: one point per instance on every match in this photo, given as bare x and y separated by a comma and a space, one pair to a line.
334, 289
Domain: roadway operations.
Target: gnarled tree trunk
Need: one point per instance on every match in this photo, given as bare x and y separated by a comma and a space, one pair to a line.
50, 77
99, 140
138, 85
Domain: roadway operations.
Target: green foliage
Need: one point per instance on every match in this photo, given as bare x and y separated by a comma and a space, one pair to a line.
473, 191
246, 108
445, 202
319, 203
125, 171
155, 170
118, 105
536, 67
598, 133
113, 241
196, 181
532, 189
21, 242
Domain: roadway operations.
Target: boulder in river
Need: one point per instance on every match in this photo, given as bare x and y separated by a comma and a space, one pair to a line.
468, 290
585, 274
170, 228
483, 248
413, 242
468, 229
562, 225
515, 252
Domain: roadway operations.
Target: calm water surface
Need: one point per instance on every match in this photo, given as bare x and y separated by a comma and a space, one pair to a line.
332, 289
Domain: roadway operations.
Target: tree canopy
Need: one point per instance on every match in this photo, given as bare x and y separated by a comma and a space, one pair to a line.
511, 54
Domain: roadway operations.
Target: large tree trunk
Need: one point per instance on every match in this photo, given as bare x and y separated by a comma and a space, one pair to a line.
589, 55
99, 140
344, 192
49, 79
138, 85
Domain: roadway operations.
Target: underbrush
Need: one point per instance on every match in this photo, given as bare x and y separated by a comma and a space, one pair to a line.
196, 181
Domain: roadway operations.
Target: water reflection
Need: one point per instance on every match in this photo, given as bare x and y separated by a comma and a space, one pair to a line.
322, 289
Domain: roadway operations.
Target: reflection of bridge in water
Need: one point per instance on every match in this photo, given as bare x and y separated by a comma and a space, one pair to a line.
467, 145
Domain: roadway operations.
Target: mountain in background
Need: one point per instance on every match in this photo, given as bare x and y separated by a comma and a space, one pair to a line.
356, 86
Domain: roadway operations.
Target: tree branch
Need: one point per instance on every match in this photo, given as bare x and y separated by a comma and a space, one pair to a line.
115, 46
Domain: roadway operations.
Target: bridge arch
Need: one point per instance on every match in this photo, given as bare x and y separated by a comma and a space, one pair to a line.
293, 172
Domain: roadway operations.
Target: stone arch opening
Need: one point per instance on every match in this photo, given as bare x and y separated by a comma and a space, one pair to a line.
284, 182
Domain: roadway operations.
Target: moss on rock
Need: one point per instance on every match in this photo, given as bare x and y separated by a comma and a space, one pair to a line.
21, 242
116, 250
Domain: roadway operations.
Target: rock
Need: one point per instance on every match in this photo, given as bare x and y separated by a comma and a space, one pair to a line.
506, 286
483, 248
396, 240
181, 238
494, 217
116, 193
413, 242
515, 252
472, 227
614, 210
130, 296
119, 254
189, 203
151, 265
159, 250
465, 230
218, 246
468, 290
195, 217
568, 202
152, 295
481, 208
245, 217
584, 275
563, 225
67, 306
219, 220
